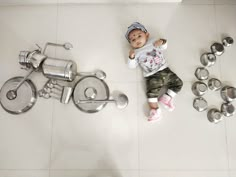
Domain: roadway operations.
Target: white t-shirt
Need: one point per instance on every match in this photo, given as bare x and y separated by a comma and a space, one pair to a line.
150, 58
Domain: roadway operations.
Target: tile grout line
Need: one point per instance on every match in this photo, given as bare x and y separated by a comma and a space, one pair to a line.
216, 30
138, 129
227, 150
225, 126
53, 106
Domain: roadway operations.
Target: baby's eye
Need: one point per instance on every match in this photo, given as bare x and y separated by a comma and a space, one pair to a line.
133, 40
139, 36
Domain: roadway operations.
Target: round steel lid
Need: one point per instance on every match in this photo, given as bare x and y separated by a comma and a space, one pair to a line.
90, 88
26, 96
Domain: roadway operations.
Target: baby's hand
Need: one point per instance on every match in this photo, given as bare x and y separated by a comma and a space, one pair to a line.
158, 43
131, 54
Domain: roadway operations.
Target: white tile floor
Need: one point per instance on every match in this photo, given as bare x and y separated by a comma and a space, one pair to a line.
56, 140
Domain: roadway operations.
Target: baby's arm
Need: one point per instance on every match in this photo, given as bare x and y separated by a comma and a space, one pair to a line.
132, 60
161, 43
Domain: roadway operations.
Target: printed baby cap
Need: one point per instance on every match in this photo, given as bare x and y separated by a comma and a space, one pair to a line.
133, 26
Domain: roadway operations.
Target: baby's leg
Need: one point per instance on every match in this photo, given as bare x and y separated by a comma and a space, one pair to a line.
153, 85
174, 83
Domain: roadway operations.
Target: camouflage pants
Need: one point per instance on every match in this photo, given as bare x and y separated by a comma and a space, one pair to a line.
157, 81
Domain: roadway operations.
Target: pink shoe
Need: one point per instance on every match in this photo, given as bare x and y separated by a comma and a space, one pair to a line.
167, 102
155, 115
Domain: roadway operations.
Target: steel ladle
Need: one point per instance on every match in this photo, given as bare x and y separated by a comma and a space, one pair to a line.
121, 101
98, 74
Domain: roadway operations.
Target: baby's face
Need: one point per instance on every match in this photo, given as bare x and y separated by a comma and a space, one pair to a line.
138, 38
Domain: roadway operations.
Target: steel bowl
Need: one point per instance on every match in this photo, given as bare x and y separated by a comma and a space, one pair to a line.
214, 84
227, 109
199, 88
202, 73
217, 48
208, 59
228, 41
200, 104
228, 93
214, 115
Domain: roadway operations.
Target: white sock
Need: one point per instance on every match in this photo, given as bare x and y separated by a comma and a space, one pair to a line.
171, 93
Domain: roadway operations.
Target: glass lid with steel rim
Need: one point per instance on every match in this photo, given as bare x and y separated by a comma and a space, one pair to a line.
90, 88
25, 98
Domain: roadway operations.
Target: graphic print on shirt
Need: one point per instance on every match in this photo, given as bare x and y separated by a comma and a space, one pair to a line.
152, 61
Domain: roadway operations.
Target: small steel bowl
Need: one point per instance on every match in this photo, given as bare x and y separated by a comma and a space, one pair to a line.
200, 104
228, 93
227, 109
201, 73
217, 49
214, 84
228, 41
199, 88
208, 59
214, 115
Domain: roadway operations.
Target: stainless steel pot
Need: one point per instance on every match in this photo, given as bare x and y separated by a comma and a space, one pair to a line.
228, 41
208, 59
228, 93
217, 48
227, 109
214, 84
214, 115
201, 73
199, 88
54, 68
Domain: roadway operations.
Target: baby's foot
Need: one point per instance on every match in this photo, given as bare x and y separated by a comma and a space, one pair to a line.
155, 115
167, 102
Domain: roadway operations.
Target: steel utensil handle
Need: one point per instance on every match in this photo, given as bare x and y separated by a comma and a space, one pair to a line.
95, 101
23, 80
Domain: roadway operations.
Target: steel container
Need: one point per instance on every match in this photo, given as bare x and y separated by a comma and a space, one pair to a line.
214, 84
228, 93
217, 48
214, 115
199, 88
228, 41
201, 73
227, 109
54, 68
208, 59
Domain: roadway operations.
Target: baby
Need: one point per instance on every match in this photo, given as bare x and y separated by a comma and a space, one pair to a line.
148, 53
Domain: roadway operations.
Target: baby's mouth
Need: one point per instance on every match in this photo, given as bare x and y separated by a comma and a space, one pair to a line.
138, 43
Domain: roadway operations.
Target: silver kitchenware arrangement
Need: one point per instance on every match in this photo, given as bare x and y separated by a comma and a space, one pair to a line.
88, 90
199, 88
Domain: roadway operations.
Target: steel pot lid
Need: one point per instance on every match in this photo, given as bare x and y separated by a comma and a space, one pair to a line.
208, 59
90, 88
227, 109
217, 48
201, 73
26, 96
200, 104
